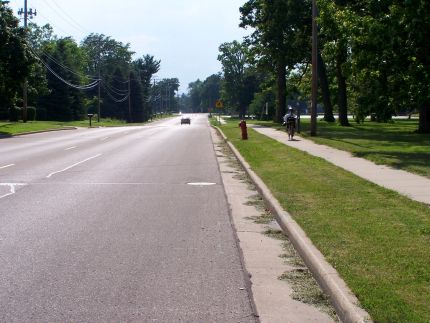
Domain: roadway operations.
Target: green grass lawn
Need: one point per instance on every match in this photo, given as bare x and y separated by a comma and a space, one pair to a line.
13, 128
378, 240
394, 144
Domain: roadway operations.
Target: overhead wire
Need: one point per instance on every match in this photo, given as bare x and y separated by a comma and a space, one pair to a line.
60, 64
112, 97
116, 91
64, 17
79, 87
71, 19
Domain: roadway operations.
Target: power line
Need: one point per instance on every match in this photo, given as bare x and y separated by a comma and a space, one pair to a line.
78, 87
71, 18
123, 99
115, 90
58, 63
65, 18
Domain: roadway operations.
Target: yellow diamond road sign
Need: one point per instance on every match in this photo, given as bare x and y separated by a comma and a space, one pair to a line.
219, 104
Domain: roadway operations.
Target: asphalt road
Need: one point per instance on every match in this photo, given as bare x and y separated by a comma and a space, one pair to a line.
103, 225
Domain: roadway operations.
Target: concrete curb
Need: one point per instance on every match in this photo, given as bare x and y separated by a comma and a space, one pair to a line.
38, 131
343, 300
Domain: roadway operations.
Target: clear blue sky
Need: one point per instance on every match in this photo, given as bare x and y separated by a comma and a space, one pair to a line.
183, 34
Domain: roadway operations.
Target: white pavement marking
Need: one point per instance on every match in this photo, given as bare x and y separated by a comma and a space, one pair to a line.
201, 184
6, 166
71, 166
11, 187
70, 148
105, 138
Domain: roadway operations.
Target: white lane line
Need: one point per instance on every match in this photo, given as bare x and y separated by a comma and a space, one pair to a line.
11, 188
71, 166
6, 166
70, 148
105, 138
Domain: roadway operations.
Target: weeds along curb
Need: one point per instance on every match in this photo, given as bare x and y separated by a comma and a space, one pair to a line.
341, 297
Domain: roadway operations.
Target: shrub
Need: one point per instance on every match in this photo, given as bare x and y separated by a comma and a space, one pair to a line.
15, 114
41, 114
31, 113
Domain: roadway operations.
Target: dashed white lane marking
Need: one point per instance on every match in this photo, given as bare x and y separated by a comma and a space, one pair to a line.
71, 166
11, 188
6, 166
70, 148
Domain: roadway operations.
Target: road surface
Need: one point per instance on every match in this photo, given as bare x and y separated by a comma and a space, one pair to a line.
115, 224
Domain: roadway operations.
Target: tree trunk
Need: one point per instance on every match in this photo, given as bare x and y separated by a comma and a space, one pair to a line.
424, 123
281, 97
342, 94
322, 73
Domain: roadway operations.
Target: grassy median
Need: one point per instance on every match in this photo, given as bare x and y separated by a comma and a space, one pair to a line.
378, 240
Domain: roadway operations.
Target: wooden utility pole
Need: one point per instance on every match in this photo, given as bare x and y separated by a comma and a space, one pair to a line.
98, 101
26, 13
129, 98
314, 70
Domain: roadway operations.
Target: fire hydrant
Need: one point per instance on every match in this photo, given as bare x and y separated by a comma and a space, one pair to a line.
242, 126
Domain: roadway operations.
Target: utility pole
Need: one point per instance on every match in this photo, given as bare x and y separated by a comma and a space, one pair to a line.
98, 101
129, 98
27, 14
155, 102
314, 70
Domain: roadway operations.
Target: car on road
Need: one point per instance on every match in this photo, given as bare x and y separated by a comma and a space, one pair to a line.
185, 120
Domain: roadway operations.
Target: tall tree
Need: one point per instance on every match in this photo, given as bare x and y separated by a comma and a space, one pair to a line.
105, 56
234, 65
146, 67
210, 91
65, 100
281, 31
136, 99
15, 59
195, 94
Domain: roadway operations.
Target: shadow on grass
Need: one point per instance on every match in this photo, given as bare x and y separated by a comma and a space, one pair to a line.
400, 159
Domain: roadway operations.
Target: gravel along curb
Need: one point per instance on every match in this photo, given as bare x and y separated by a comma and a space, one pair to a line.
341, 297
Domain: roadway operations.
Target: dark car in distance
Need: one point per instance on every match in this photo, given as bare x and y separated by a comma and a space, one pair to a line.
185, 120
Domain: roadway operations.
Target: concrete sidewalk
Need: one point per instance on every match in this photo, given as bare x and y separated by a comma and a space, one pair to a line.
410, 185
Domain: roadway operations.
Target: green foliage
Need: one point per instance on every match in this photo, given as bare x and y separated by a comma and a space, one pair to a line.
15, 114
164, 91
240, 80
258, 104
64, 102
31, 113
146, 67
394, 144
280, 39
136, 100
195, 96
375, 238
14, 59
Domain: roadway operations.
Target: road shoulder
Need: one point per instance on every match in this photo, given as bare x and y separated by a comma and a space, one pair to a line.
267, 255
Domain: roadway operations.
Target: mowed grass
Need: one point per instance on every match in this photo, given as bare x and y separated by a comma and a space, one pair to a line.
378, 240
395, 144
13, 128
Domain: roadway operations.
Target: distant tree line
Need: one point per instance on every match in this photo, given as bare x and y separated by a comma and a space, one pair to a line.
373, 60
65, 78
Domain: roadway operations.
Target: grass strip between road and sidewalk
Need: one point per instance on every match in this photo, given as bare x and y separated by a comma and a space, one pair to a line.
378, 240
395, 144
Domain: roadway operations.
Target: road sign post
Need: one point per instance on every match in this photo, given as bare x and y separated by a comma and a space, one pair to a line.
219, 105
